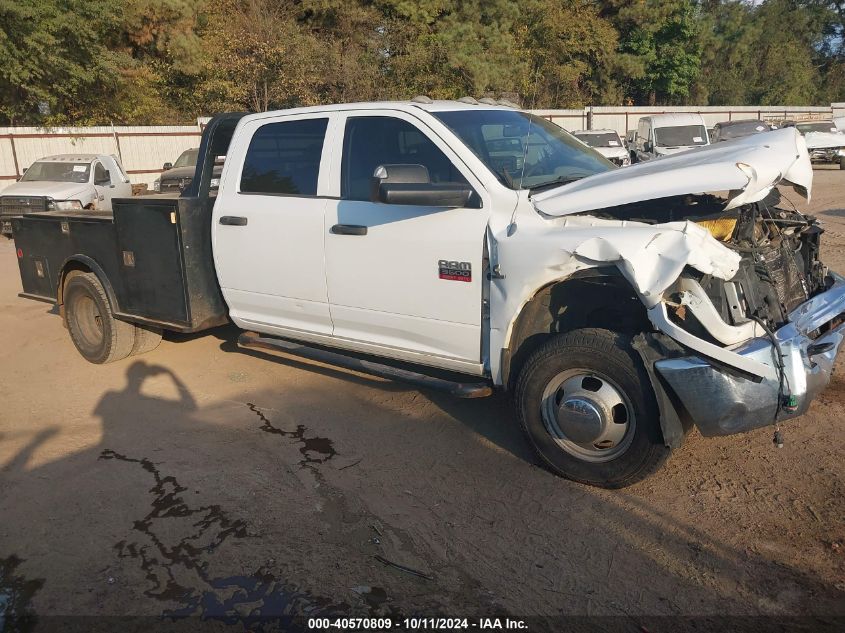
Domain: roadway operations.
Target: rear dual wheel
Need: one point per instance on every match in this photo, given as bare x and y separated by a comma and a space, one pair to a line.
96, 333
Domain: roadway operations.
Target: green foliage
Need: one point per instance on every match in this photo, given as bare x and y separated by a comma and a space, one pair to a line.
52, 57
167, 61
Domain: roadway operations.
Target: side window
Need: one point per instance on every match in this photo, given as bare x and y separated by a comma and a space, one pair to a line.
284, 158
100, 175
371, 141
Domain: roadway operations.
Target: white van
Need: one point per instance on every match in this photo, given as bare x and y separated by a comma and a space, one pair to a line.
663, 134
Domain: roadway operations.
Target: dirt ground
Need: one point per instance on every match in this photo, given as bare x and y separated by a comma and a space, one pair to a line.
206, 480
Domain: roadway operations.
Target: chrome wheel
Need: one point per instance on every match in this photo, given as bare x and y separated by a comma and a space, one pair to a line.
588, 415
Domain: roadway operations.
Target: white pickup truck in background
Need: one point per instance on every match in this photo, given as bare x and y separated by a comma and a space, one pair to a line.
475, 248
661, 135
65, 182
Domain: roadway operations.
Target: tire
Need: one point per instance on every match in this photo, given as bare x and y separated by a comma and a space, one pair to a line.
146, 340
560, 393
842, 162
97, 335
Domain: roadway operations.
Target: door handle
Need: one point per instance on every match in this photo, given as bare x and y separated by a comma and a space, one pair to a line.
233, 220
349, 229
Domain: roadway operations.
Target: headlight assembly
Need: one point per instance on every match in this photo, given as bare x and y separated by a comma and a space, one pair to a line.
65, 205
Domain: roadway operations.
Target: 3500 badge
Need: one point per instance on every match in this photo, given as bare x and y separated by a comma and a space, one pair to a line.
454, 271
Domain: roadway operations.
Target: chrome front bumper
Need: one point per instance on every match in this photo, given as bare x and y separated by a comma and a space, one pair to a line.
722, 401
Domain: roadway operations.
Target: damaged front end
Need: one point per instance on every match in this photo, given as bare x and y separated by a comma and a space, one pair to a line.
756, 320
775, 326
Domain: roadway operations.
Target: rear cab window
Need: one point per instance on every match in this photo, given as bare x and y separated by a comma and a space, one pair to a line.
283, 158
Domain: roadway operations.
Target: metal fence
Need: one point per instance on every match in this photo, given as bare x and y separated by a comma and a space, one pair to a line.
624, 118
144, 149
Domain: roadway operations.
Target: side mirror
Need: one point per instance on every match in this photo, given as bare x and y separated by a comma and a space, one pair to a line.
411, 185
105, 181
167, 166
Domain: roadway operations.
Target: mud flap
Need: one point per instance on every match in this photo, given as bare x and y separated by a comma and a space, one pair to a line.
673, 423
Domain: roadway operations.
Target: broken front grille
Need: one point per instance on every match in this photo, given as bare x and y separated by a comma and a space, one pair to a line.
785, 275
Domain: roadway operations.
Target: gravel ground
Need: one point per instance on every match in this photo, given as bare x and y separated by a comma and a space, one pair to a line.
202, 479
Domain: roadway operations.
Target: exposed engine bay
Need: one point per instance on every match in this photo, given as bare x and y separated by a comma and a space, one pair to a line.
779, 268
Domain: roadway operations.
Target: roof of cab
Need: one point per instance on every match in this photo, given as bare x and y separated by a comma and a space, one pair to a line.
437, 105
677, 118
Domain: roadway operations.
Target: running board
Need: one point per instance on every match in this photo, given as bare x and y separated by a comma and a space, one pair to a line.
457, 389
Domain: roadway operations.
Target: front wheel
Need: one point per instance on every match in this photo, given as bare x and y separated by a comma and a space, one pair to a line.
842, 162
586, 404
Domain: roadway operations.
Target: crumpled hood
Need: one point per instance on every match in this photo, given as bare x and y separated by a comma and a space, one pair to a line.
55, 190
748, 167
824, 140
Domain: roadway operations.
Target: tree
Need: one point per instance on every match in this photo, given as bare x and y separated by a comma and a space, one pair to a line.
53, 58
572, 51
660, 40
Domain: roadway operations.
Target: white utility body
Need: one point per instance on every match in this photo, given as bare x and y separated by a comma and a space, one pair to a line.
619, 306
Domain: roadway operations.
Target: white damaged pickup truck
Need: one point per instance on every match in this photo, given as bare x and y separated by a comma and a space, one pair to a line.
620, 307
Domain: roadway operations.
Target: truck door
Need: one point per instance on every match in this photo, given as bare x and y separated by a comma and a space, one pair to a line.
103, 186
268, 225
406, 279
644, 139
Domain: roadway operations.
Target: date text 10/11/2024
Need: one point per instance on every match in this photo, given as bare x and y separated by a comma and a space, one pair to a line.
416, 624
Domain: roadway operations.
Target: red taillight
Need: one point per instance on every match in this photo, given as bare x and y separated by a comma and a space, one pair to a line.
20, 253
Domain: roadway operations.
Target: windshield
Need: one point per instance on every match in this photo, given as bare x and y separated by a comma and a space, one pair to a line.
599, 139
57, 172
745, 128
187, 159
680, 135
820, 126
501, 140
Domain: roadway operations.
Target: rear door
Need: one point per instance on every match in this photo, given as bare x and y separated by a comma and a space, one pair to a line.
268, 225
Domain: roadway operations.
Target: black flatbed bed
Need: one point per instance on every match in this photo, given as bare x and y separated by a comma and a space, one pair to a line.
152, 253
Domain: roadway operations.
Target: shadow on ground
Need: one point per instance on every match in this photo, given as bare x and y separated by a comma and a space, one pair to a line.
249, 510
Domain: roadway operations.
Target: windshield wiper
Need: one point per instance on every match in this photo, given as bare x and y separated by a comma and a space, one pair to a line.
562, 180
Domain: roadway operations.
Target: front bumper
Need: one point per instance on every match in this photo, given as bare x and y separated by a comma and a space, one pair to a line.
722, 401
827, 155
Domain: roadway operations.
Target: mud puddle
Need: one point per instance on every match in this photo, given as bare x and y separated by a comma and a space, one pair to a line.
315, 450
177, 567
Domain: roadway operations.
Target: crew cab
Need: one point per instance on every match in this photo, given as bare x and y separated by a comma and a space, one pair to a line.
65, 182
618, 307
